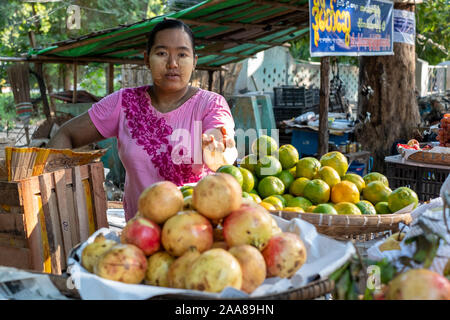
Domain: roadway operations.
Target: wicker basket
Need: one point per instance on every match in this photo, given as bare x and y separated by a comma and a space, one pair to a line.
431, 157
345, 227
313, 290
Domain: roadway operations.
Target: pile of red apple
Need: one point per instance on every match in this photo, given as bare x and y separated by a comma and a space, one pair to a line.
215, 242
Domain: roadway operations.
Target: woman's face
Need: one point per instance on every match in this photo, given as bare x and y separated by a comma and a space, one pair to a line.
171, 59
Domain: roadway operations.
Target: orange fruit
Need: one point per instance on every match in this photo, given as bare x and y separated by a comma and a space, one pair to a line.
267, 166
283, 200
375, 176
325, 208
294, 209
402, 197
288, 156
297, 186
345, 191
267, 206
249, 162
270, 186
299, 202
234, 171
356, 179
347, 208
264, 145
376, 191
329, 175
317, 191
382, 207
366, 207
336, 160
307, 167
286, 177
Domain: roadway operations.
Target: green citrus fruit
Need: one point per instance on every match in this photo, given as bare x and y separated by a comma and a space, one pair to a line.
382, 207
336, 160
286, 177
248, 181
234, 171
288, 156
249, 162
329, 175
246, 195
347, 208
276, 202
268, 166
270, 186
287, 196
255, 197
267, 206
317, 191
375, 176
307, 167
356, 179
264, 145
376, 191
283, 200
293, 171
299, 202
325, 208
402, 197
366, 207
311, 209
294, 209
298, 186
187, 192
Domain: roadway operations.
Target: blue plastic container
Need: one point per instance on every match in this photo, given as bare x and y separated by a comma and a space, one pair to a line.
307, 142
356, 167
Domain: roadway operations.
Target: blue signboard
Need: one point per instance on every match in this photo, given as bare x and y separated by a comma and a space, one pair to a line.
351, 28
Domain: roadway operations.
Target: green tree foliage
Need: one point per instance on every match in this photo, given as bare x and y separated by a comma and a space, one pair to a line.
48, 22
432, 22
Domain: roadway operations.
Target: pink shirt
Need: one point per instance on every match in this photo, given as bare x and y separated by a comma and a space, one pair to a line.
155, 146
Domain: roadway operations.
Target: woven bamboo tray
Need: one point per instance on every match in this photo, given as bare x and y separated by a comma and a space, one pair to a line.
315, 289
345, 227
431, 157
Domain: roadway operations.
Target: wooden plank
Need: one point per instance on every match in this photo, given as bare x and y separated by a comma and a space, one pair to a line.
5, 209
97, 175
110, 78
16, 257
52, 222
12, 223
32, 227
323, 107
80, 204
9, 240
75, 80
73, 217
10, 193
65, 226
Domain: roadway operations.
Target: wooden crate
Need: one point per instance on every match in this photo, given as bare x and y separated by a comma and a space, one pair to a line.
43, 217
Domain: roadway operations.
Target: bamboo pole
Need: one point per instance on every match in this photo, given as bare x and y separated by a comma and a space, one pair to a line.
323, 107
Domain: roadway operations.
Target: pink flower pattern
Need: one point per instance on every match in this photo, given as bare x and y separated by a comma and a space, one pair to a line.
153, 133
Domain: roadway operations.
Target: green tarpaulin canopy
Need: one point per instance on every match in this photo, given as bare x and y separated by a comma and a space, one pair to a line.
226, 31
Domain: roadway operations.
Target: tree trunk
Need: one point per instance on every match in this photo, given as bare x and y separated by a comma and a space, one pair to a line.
323, 107
394, 113
67, 74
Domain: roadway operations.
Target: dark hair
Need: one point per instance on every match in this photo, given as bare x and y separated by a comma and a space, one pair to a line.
169, 24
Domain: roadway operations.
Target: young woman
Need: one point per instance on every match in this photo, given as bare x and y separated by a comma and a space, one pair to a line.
165, 131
